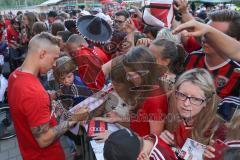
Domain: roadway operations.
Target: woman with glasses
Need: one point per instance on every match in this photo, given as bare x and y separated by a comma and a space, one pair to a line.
192, 109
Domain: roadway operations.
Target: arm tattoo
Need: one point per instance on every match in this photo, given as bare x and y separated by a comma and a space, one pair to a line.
60, 129
37, 131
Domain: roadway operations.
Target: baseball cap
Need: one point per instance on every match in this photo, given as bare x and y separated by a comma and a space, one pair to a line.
122, 145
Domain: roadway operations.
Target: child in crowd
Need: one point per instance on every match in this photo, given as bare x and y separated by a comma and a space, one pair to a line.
64, 35
71, 86
72, 89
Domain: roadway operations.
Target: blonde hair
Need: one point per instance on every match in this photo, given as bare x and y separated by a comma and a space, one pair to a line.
234, 127
206, 116
166, 33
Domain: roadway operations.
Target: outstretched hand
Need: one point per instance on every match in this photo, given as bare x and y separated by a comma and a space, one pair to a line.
193, 28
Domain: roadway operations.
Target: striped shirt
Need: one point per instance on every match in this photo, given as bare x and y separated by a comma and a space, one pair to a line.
226, 77
233, 143
160, 150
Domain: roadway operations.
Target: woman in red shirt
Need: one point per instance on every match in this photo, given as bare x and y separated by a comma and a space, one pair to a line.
13, 34
150, 102
192, 111
147, 100
14, 43
29, 18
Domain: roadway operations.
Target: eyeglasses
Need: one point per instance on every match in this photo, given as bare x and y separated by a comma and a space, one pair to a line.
193, 100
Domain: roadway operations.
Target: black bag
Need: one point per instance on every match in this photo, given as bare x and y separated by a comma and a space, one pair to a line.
84, 141
88, 152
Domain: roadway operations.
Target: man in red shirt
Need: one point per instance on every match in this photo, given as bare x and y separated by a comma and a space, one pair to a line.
13, 34
89, 61
36, 129
223, 69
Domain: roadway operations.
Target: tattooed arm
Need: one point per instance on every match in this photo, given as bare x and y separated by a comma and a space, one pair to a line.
45, 135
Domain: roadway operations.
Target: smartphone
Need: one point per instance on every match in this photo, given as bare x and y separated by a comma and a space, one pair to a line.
220, 147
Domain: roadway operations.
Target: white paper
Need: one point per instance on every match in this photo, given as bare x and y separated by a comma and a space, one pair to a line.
92, 102
192, 150
98, 147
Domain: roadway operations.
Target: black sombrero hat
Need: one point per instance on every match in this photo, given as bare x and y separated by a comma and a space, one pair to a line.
94, 29
70, 23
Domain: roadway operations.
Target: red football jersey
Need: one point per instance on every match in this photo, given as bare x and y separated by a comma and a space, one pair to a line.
226, 78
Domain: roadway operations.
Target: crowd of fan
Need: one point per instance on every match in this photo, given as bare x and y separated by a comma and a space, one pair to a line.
167, 83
